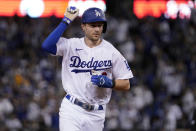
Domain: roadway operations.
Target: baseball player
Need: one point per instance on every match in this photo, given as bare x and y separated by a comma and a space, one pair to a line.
91, 69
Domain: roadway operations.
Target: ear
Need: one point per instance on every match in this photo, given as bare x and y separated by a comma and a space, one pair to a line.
83, 26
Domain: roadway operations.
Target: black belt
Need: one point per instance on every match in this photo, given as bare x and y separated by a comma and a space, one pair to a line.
86, 106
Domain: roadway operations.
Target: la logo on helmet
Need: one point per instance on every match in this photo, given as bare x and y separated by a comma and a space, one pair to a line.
97, 13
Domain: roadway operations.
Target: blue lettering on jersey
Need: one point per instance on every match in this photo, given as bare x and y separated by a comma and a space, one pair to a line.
127, 65
87, 66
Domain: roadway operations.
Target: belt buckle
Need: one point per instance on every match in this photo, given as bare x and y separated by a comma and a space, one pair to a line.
87, 106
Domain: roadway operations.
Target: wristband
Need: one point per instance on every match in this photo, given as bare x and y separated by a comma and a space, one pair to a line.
66, 20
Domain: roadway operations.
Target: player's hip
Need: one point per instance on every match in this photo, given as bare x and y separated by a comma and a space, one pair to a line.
69, 108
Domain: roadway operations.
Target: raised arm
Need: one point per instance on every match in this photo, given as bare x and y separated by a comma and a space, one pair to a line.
49, 44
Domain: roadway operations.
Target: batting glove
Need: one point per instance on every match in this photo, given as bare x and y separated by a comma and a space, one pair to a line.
70, 14
102, 81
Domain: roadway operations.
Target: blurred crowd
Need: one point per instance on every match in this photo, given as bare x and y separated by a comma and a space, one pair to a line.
161, 53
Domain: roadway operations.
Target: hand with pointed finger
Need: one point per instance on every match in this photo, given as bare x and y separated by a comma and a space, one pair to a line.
70, 14
102, 81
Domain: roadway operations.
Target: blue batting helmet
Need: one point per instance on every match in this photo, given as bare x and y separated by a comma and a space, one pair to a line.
94, 15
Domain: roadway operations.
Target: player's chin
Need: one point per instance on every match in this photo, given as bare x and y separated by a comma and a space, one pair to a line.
96, 37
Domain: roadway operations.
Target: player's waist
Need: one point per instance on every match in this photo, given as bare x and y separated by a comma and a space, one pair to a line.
86, 106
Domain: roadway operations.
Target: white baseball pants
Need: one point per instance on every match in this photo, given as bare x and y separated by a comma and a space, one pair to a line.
74, 118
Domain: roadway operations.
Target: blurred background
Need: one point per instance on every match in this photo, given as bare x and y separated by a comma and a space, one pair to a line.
157, 37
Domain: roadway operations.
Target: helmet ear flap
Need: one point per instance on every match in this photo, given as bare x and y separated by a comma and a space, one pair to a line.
104, 27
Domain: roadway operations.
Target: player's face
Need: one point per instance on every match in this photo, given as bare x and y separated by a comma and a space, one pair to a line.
93, 31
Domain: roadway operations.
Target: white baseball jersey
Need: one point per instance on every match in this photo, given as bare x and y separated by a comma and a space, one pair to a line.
79, 61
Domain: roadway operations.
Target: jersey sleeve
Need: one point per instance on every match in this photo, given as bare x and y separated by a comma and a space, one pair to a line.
62, 46
121, 69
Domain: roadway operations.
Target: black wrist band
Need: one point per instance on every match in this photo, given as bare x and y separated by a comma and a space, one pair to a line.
113, 82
